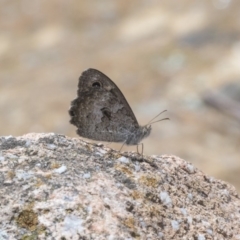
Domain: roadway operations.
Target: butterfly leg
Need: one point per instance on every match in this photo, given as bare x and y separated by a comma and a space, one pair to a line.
142, 148
122, 146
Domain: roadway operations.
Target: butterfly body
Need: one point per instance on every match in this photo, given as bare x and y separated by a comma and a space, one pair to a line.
101, 112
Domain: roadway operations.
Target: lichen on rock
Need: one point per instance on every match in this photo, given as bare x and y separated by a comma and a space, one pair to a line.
54, 187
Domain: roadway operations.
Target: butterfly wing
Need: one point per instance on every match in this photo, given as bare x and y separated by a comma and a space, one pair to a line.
100, 111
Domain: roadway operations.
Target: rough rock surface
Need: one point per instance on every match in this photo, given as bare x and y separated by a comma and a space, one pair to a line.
54, 187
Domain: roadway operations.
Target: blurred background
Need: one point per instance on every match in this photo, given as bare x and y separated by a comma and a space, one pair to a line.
180, 56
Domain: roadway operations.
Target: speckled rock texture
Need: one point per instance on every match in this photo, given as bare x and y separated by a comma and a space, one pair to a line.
54, 187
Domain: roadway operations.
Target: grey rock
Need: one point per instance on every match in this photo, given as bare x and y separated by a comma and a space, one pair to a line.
78, 190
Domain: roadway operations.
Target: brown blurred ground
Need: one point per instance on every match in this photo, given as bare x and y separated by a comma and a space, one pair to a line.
162, 54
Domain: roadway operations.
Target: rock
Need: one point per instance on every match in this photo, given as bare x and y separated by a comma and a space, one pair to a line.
54, 187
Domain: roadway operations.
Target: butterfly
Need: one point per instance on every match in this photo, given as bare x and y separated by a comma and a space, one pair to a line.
101, 112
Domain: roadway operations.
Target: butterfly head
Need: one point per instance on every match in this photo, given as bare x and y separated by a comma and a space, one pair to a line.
146, 130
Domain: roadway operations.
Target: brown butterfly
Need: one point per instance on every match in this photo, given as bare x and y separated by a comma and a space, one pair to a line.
101, 112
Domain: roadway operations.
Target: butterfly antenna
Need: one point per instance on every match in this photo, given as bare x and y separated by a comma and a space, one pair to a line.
155, 117
159, 120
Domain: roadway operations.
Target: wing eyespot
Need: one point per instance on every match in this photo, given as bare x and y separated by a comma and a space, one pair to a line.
96, 85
